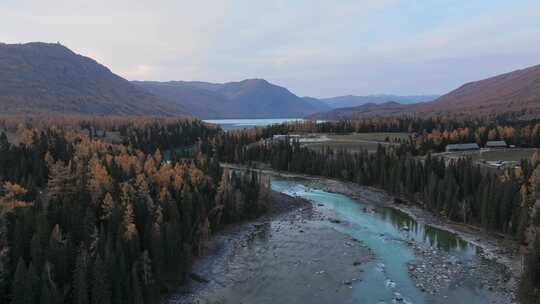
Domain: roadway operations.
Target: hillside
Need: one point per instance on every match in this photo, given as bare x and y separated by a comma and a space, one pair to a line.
386, 109
354, 101
47, 78
199, 102
250, 98
515, 94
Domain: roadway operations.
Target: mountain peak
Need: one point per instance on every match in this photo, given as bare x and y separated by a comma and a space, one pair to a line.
390, 103
249, 98
36, 47
255, 80
253, 83
48, 77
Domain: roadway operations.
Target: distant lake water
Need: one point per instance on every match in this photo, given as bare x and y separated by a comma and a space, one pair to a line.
236, 124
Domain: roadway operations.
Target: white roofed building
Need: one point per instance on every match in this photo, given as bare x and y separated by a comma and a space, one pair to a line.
462, 147
496, 144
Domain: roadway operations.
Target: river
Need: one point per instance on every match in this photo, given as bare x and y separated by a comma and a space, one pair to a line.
299, 259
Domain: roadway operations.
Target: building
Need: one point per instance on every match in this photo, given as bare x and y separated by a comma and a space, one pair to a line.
496, 144
280, 137
462, 147
287, 137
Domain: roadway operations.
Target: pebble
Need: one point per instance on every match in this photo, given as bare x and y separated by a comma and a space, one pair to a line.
436, 270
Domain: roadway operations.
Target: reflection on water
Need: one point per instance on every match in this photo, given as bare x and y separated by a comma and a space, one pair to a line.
386, 232
431, 236
401, 222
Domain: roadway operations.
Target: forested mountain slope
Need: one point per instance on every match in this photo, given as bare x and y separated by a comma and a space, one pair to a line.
386, 109
250, 98
513, 95
517, 92
354, 101
43, 77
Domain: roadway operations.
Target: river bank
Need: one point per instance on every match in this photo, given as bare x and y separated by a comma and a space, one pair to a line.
283, 256
500, 264
493, 248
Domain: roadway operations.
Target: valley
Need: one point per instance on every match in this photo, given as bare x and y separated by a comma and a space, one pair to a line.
261, 152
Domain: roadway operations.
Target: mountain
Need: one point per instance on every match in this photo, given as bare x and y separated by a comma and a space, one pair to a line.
353, 101
515, 94
199, 101
250, 98
317, 103
50, 78
367, 110
47, 78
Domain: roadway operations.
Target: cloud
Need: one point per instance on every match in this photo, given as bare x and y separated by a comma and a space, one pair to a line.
314, 47
141, 71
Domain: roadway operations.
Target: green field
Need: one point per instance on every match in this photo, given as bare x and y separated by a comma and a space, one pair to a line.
357, 141
515, 154
378, 137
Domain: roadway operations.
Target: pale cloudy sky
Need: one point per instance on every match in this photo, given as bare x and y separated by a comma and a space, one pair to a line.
313, 47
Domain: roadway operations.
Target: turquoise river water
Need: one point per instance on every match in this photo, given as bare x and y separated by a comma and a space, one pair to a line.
385, 231
345, 251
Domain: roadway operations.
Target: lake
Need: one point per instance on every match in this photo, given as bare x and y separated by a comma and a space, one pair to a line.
236, 124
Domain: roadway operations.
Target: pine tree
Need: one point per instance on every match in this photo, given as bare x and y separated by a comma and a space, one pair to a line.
49, 293
32, 285
128, 218
107, 207
99, 182
100, 284
147, 278
57, 255
80, 286
45, 296
36, 251
61, 181
19, 284
136, 295
529, 288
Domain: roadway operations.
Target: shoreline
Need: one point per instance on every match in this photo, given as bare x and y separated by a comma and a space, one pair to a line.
497, 248
291, 237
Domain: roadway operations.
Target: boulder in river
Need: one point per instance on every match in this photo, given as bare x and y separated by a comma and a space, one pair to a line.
399, 201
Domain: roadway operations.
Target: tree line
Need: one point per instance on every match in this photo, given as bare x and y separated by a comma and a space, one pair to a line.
426, 135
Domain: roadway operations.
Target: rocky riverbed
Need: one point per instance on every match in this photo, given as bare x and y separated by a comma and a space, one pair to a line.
308, 252
435, 271
280, 258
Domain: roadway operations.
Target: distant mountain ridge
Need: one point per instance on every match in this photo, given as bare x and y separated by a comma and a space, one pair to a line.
250, 98
256, 98
353, 100
49, 78
515, 95
367, 110
46, 77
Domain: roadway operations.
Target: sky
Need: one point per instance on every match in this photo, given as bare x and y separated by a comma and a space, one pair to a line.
313, 47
